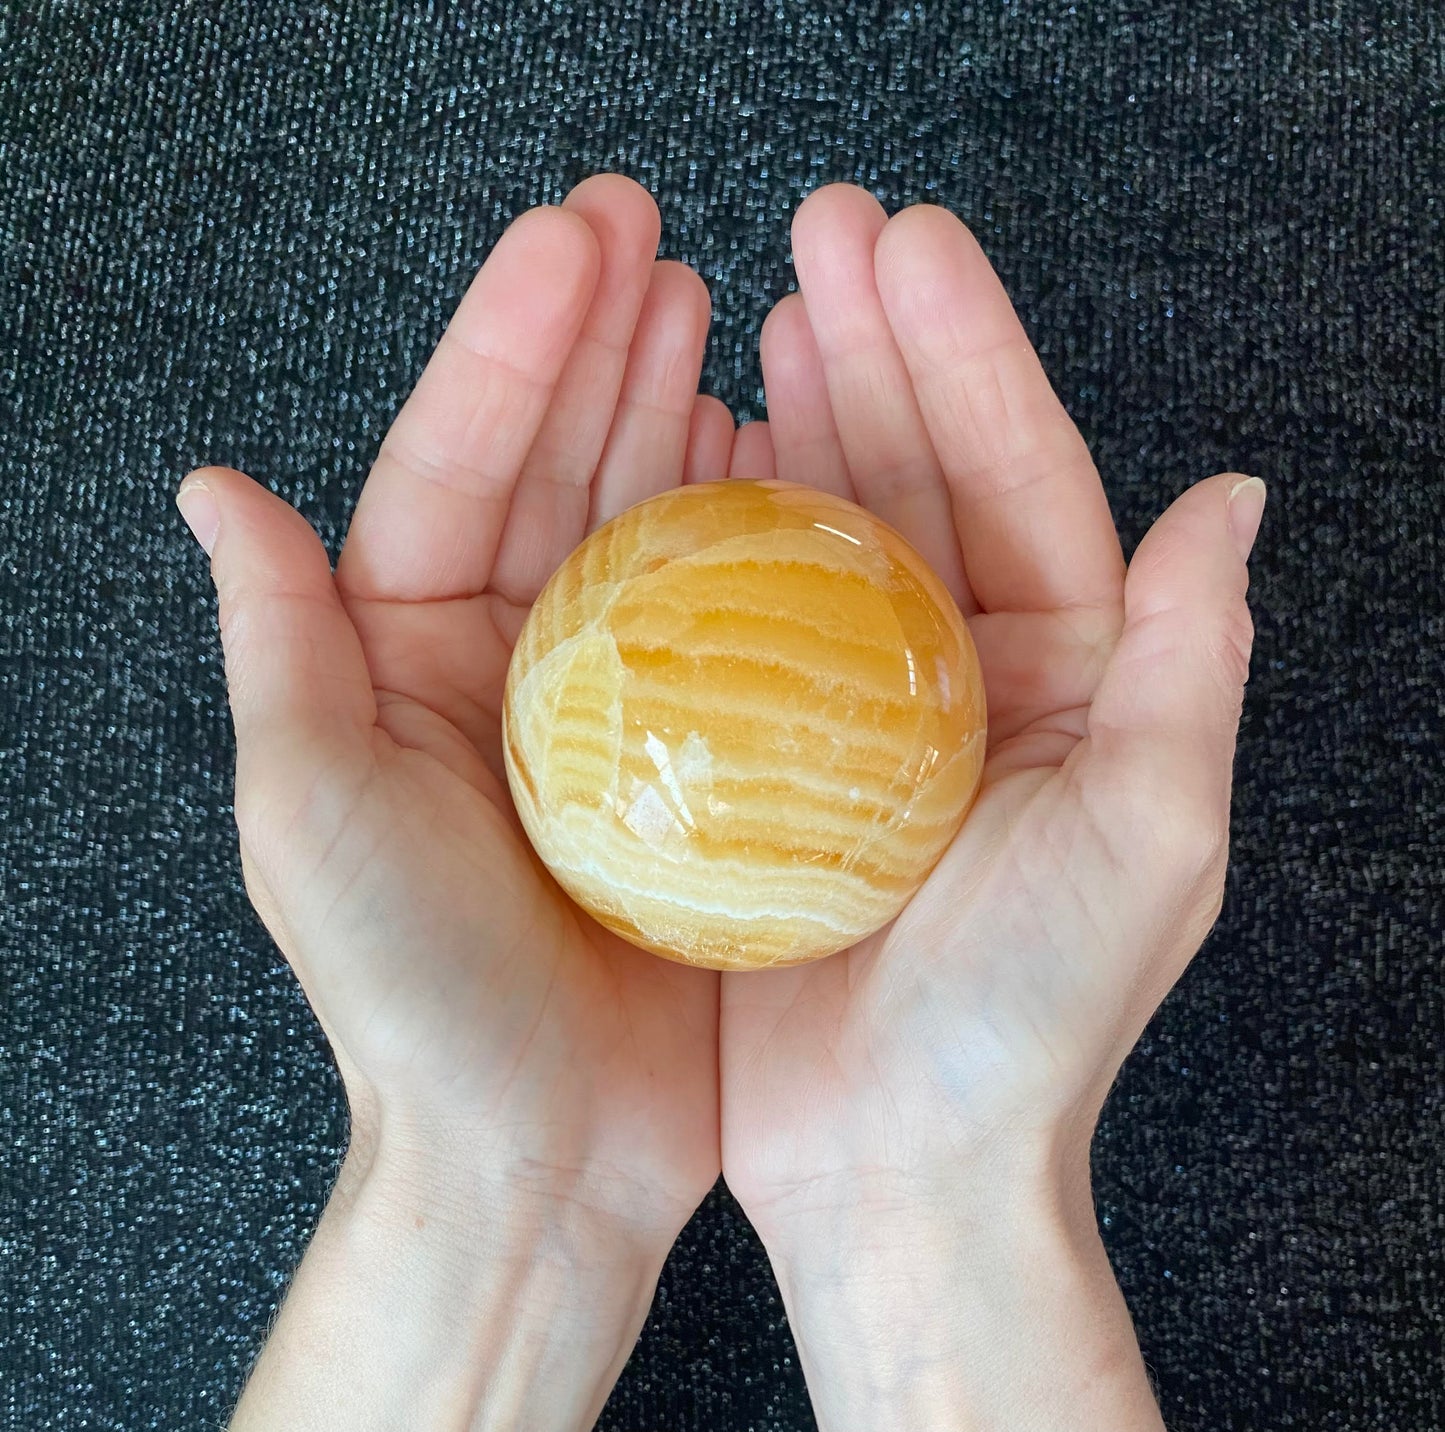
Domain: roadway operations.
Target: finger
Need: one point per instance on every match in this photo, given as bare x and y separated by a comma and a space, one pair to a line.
1030, 511
429, 518
1162, 727
806, 444
890, 455
709, 440
295, 670
647, 446
753, 453
548, 515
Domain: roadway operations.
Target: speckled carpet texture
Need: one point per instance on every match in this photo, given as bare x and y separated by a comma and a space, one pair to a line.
234, 232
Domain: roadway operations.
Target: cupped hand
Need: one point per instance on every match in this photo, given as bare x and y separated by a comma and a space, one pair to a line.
974, 1040
472, 1009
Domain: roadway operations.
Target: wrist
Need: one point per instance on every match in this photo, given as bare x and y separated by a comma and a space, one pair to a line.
436, 1293
543, 1297
995, 1309
534, 1177
1031, 1181
490, 1208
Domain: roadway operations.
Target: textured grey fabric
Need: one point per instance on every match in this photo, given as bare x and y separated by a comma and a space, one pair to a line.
233, 233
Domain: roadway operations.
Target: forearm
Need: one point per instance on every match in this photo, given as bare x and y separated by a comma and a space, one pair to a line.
1003, 1316
425, 1302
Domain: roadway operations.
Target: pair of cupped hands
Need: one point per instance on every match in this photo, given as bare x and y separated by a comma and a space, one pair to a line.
498, 1048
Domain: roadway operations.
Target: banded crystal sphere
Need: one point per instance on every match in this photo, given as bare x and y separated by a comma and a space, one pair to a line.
741, 724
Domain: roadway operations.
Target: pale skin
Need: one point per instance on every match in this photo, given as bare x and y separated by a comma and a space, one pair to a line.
538, 1108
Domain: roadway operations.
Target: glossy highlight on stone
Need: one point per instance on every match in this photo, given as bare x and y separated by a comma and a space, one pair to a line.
742, 722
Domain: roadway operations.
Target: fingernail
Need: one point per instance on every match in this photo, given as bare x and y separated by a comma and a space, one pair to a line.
202, 515
1245, 508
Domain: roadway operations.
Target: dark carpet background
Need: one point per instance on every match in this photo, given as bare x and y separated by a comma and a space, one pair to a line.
233, 233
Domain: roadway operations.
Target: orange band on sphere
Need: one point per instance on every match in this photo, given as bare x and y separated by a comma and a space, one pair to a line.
741, 724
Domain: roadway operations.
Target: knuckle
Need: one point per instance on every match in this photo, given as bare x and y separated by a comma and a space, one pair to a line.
254, 806
1231, 641
251, 879
257, 889
231, 615
252, 822
1194, 851
1214, 906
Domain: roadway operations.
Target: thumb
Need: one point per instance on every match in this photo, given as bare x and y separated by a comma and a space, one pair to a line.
1163, 722
295, 669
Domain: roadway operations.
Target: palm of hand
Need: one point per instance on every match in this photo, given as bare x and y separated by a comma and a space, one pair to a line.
995, 1010
865, 1074
473, 992
379, 841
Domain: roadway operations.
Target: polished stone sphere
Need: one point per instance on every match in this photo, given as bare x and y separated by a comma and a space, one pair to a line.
741, 724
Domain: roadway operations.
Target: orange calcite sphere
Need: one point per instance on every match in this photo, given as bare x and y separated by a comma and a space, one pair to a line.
741, 724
